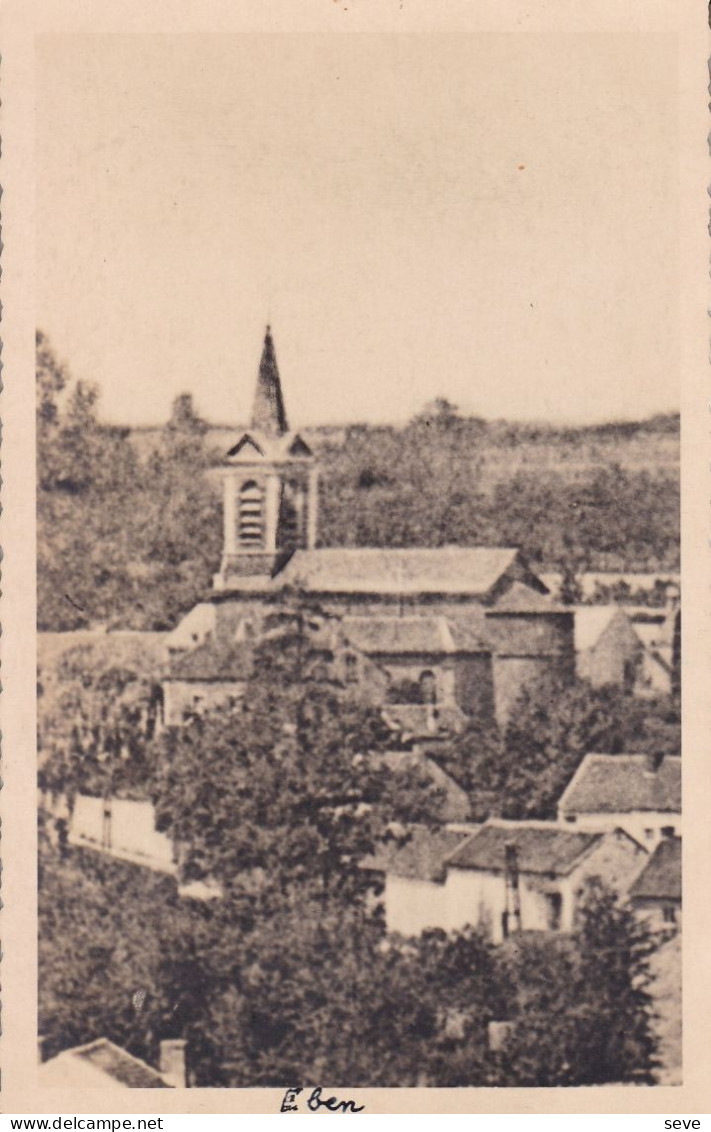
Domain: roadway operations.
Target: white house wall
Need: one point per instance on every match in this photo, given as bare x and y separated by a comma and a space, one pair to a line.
616, 860
413, 905
132, 832
478, 898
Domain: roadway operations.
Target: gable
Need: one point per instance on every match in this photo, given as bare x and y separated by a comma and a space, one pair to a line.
246, 446
299, 447
619, 636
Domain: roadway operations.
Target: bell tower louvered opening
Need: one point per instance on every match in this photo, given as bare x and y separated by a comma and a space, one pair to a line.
250, 531
270, 489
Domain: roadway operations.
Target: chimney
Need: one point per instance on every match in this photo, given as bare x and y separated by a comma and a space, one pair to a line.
172, 1062
652, 762
513, 896
498, 1034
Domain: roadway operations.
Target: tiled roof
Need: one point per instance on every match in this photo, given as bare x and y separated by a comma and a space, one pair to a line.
608, 784
193, 627
449, 569
213, 660
455, 801
423, 856
660, 879
423, 720
541, 848
122, 1066
400, 635
520, 598
142, 651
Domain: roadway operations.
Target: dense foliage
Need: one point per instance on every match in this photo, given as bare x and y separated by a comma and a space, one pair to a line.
289, 975
522, 770
314, 993
583, 1005
129, 533
303, 797
95, 728
566, 497
122, 540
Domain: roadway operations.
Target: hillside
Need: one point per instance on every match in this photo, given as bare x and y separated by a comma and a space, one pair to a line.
502, 448
599, 497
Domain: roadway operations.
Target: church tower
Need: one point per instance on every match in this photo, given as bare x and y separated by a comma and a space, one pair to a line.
270, 488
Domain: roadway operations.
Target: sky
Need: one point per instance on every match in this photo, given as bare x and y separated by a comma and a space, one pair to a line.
488, 218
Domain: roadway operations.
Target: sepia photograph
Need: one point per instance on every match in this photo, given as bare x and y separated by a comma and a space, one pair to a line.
359, 648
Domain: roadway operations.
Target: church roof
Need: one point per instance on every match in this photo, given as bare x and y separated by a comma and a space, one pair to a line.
268, 412
449, 569
402, 635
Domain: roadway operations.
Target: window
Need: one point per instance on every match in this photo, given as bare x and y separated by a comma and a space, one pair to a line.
669, 914
428, 688
250, 519
351, 668
649, 834
668, 831
629, 675
554, 902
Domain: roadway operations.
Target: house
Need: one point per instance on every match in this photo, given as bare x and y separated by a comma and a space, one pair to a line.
122, 827
414, 876
452, 626
665, 988
525, 876
607, 649
103, 1065
638, 649
501, 877
638, 793
656, 893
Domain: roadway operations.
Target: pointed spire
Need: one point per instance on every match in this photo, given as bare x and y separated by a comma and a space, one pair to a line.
268, 413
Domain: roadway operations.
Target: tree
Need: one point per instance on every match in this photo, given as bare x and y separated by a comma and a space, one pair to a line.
87, 476
101, 927
581, 1012
52, 379
95, 728
303, 797
521, 770
121, 541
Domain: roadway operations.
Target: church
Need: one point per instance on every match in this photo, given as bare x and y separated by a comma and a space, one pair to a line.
435, 636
